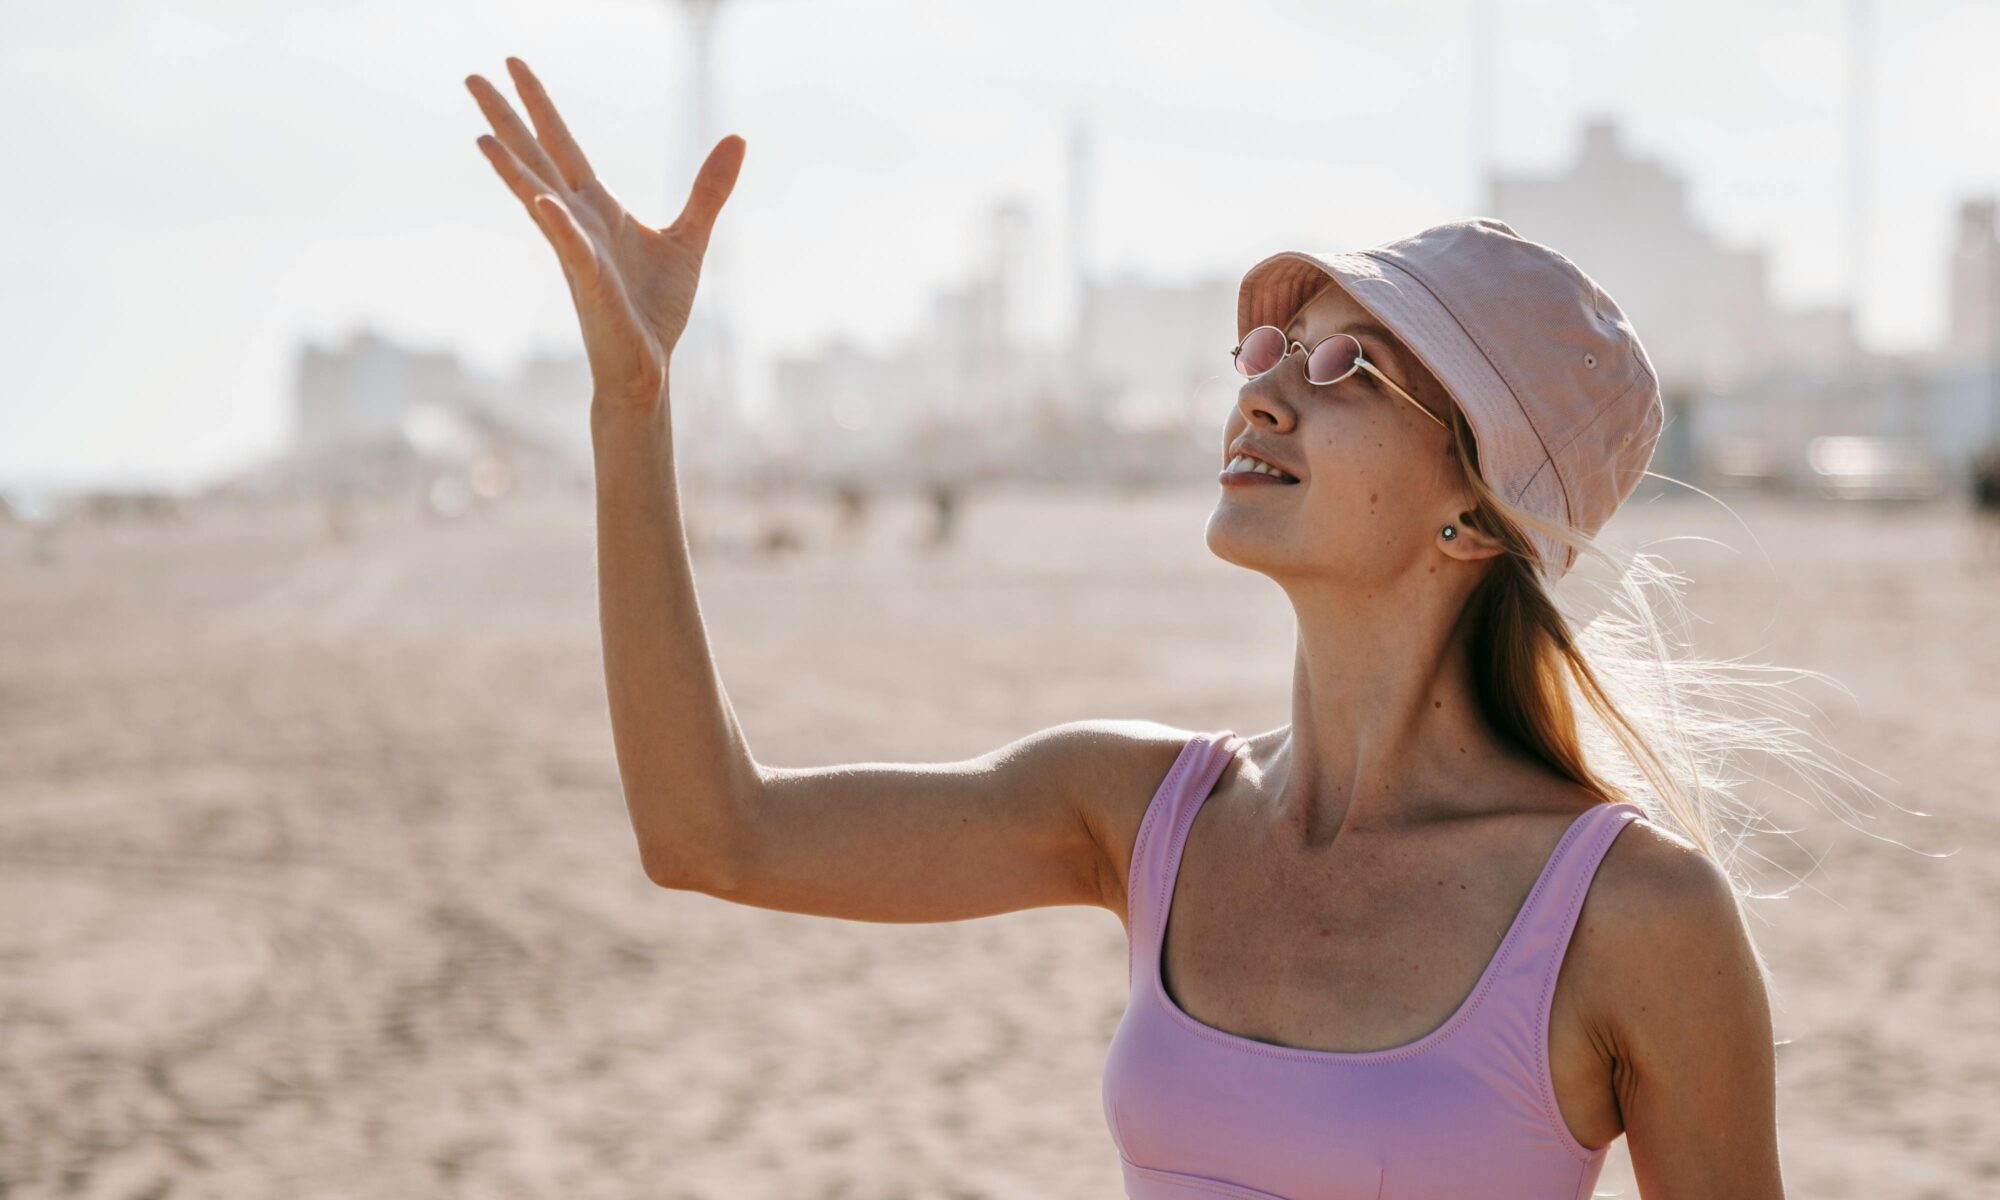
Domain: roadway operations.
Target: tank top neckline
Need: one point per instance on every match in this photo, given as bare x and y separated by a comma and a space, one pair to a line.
1184, 814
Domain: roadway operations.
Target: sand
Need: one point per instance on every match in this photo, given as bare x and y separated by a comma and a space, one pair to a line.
315, 878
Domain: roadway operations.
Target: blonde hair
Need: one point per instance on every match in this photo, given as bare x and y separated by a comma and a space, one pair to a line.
1622, 707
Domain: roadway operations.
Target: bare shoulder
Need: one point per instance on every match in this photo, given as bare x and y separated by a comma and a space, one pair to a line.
1663, 933
1115, 766
1677, 1000
1654, 880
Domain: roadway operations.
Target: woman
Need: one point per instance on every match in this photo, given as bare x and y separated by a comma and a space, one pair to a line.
1420, 946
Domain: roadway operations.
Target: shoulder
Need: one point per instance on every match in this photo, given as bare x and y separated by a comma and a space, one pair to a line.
1113, 767
1098, 758
1677, 1001
1663, 933
1654, 880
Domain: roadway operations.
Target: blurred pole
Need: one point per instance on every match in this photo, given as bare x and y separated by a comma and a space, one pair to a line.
1859, 82
705, 406
1485, 100
1077, 228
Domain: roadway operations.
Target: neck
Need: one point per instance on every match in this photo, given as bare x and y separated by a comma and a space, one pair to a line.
1386, 729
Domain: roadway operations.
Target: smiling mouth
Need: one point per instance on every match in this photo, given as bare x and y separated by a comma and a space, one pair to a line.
1243, 464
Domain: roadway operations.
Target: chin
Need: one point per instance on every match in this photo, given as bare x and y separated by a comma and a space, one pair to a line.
1246, 539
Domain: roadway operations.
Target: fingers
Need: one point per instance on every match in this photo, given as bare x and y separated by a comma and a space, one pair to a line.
513, 134
549, 124
572, 245
519, 180
712, 185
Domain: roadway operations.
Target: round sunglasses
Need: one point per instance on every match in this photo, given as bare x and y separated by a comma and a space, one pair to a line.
1332, 359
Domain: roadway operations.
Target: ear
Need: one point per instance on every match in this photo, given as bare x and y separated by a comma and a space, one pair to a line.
1468, 543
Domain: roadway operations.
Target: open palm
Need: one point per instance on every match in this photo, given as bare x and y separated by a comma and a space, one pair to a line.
633, 285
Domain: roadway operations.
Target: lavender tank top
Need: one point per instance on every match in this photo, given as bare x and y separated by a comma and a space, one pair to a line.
1468, 1109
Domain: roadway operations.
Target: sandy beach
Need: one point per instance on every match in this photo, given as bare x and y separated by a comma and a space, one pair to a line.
316, 880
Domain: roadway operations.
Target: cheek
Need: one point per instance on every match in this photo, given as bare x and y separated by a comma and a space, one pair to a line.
1360, 469
1345, 446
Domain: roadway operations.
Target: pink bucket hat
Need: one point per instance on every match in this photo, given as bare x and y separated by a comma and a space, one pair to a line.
1563, 401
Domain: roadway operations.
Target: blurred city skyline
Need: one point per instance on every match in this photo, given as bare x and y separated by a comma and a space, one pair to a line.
1757, 393
221, 184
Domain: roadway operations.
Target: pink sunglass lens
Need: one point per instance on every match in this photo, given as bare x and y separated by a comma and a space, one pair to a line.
1261, 350
1332, 358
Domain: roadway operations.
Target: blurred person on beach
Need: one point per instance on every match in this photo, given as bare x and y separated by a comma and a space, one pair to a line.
1452, 736
943, 497
851, 503
338, 507
1986, 505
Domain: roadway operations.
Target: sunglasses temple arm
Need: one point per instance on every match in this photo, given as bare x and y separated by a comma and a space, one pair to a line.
1391, 385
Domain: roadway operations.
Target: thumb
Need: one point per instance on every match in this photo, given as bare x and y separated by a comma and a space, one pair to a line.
713, 184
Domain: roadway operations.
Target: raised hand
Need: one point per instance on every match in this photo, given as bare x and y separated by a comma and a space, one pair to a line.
632, 285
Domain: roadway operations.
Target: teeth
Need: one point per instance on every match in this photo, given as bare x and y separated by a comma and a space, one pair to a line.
1244, 462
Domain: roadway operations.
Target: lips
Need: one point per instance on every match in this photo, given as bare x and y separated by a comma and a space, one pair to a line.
1253, 453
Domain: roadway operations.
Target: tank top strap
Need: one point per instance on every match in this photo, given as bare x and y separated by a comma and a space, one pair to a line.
1523, 986
1162, 833
1552, 910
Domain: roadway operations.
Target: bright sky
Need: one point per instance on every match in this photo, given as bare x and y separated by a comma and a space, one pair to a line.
192, 188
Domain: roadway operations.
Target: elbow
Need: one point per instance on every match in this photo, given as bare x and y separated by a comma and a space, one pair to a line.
675, 869
671, 871
708, 852
659, 873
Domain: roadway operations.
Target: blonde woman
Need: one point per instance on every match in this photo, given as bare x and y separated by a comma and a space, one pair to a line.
1413, 943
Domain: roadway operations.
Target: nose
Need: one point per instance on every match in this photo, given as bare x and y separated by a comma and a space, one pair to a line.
1261, 401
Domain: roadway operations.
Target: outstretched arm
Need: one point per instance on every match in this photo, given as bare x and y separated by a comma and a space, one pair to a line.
1013, 828
687, 771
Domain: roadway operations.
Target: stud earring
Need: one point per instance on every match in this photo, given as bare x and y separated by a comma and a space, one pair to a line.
1449, 533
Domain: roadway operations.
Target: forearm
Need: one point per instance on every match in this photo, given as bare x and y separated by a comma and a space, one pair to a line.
685, 766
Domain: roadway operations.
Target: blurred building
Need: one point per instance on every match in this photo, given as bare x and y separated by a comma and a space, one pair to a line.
1155, 352
547, 399
377, 417
963, 395
1969, 363
1703, 310
360, 393
1029, 367
1762, 392
1974, 334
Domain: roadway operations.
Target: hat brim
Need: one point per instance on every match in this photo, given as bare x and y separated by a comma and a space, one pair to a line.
1273, 291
